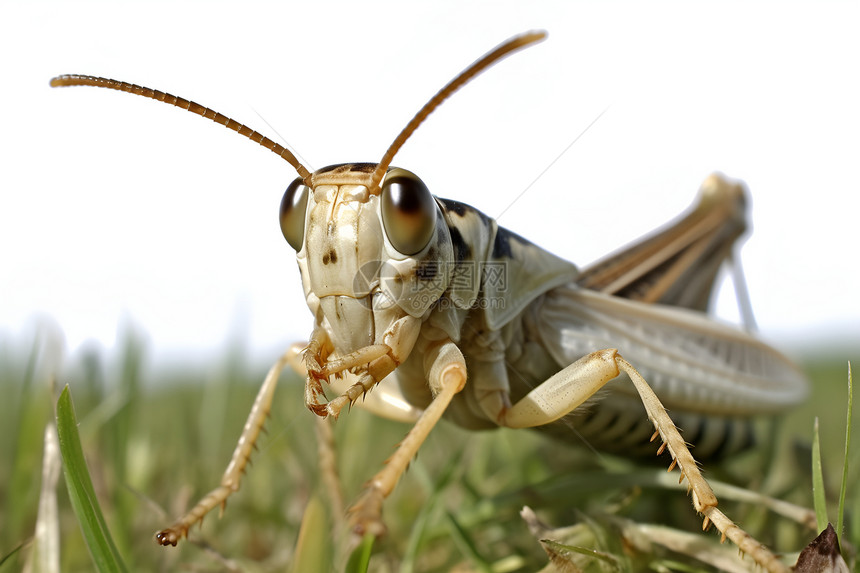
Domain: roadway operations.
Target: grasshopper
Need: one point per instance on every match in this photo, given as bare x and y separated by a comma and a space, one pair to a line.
440, 311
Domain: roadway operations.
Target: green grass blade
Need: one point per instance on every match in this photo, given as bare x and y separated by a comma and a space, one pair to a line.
11, 556
81, 492
412, 552
359, 560
467, 545
841, 512
419, 526
313, 546
818, 498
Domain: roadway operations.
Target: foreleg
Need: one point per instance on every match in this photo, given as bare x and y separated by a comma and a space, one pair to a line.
233, 474
370, 364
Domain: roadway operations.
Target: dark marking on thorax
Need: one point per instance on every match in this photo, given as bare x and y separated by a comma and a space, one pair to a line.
462, 250
502, 243
463, 210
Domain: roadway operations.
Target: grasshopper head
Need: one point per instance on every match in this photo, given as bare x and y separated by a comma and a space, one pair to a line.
366, 259
371, 243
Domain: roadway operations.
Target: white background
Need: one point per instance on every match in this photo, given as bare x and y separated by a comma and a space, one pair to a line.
115, 210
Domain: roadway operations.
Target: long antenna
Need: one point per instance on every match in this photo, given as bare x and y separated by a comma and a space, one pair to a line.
240, 128
512, 45
500, 52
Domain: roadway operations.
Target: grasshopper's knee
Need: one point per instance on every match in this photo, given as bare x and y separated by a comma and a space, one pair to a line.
564, 391
445, 368
609, 356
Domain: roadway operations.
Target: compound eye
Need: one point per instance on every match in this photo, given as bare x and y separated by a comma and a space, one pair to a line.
408, 211
293, 207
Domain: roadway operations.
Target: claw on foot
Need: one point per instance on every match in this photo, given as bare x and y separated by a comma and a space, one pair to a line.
320, 410
167, 537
